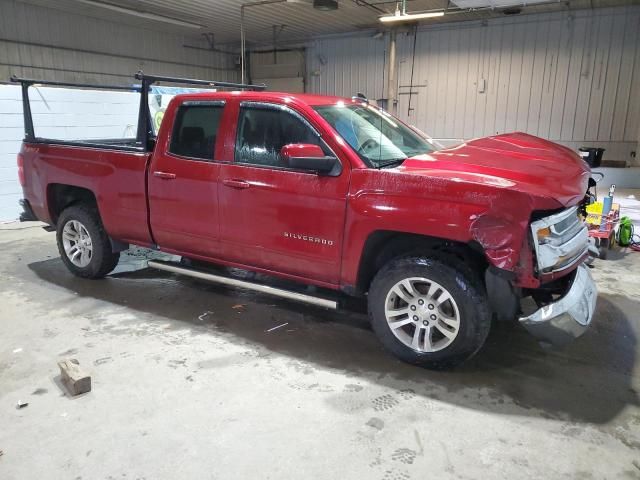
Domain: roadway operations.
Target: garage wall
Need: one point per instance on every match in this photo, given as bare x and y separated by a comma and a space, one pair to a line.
280, 71
347, 65
46, 43
572, 78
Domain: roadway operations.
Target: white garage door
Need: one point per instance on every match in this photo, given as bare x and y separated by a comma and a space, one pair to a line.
11, 133
67, 114
57, 113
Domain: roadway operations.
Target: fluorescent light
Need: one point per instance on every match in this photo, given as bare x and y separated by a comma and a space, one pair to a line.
407, 17
136, 13
471, 4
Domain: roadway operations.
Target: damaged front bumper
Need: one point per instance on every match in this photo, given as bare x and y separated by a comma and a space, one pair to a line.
567, 318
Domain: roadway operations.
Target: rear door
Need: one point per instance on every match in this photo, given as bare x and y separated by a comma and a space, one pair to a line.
183, 180
272, 216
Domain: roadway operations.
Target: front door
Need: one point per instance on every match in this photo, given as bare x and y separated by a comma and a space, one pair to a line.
272, 216
183, 179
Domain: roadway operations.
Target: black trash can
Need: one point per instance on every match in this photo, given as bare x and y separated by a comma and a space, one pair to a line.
593, 156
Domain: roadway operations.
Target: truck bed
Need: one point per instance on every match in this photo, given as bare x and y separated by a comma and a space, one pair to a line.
115, 176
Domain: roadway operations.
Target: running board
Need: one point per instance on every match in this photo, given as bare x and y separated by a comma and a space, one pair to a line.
234, 282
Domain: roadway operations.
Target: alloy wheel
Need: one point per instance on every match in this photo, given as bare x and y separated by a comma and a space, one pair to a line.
77, 243
422, 314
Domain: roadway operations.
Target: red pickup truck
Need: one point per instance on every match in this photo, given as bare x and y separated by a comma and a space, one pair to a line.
332, 192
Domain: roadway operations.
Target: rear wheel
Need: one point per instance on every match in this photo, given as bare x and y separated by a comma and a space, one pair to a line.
429, 313
83, 244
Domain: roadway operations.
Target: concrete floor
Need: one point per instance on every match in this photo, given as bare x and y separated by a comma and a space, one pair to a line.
187, 386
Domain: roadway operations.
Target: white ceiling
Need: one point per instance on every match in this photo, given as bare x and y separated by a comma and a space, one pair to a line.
301, 20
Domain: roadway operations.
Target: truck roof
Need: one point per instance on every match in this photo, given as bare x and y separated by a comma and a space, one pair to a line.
279, 97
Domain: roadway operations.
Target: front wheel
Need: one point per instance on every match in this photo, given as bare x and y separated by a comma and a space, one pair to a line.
429, 313
83, 244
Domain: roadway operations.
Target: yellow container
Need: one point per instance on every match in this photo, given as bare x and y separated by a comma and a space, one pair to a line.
595, 208
594, 212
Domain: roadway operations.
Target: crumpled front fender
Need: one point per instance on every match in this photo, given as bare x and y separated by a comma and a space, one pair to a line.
501, 230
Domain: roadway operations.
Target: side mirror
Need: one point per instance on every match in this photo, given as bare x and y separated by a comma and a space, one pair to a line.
306, 156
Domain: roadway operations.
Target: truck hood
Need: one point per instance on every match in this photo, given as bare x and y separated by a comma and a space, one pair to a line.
516, 161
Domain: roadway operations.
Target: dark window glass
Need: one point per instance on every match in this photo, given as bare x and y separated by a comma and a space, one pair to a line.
195, 131
262, 132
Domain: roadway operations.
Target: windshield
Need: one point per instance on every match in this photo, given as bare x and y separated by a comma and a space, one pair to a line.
378, 137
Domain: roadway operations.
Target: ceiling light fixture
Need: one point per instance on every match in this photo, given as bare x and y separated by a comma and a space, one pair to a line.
401, 15
136, 13
473, 4
407, 17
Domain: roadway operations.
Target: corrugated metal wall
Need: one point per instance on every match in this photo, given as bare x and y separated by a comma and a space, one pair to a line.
47, 43
347, 65
569, 77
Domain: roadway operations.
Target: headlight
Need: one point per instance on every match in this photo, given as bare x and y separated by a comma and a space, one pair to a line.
543, 234
559, 240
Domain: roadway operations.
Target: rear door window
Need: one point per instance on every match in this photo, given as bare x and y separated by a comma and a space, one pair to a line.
195, 130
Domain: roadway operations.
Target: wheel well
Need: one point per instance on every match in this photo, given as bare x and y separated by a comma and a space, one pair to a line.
61, 196
383, 246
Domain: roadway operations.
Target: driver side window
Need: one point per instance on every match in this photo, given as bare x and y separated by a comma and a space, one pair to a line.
263, 131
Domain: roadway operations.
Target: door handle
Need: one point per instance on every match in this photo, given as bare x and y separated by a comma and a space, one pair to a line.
240, 184
164, 175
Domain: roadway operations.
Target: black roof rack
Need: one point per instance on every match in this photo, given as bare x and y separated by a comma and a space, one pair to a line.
145, 131
31, 81
193, 81
149, 79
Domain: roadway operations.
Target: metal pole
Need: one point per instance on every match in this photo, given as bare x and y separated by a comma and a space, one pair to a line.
275, 39
242, 43
242, 33
392, 82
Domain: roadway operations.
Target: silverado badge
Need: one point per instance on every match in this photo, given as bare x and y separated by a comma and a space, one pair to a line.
308, 238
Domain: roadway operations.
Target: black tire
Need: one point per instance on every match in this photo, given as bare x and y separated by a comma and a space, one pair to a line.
464, 288
103, 259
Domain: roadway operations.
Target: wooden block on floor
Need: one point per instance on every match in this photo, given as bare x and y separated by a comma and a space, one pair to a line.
74, 377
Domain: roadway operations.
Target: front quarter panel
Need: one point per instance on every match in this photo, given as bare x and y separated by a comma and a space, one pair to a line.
465, 208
